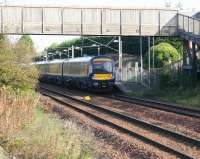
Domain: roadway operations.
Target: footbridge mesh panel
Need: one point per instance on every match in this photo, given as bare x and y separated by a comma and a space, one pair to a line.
87, 21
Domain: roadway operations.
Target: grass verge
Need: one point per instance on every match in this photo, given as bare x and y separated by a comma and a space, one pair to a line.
27, 132
189, 97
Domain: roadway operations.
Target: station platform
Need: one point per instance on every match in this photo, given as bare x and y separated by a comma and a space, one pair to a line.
130, 87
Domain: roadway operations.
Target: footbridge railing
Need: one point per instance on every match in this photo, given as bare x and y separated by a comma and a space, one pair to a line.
189, 28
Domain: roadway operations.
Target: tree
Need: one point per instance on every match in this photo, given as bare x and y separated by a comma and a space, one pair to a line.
26, 39
176, 42
165, 53
53, 48
130, 45
24, 49
16, 72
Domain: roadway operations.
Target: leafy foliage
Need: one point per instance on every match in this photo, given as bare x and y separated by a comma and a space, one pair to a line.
26, 40
165, 53
15, 69
176, 42
130, 45
24, 49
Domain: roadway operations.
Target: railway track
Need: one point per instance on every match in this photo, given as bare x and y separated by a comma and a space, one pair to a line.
192, 112
164, 106
89, 108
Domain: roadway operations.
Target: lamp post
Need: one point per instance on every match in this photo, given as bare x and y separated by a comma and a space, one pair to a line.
120, 50
99, 50
60, 53
81, 51
46, 54
72, 51
120, 53
119, 41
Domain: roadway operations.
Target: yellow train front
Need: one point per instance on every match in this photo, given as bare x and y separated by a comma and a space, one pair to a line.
92, 73
102, 75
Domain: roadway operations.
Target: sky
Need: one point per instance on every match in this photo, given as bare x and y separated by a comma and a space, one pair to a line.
143, 3
42, 42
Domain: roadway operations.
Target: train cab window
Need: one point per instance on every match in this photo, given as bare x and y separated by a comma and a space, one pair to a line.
102, 66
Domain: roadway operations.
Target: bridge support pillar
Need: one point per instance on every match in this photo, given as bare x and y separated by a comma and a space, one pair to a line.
194, 63
187, 54
187, 63
190, 63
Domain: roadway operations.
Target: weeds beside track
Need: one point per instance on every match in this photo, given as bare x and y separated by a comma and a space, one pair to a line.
55, 95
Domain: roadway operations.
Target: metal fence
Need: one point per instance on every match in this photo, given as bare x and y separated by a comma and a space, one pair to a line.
150, 79
189, 25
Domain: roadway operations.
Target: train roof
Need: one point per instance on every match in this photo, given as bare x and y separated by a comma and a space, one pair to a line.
78, 59
86, 59
56, 61
46, 62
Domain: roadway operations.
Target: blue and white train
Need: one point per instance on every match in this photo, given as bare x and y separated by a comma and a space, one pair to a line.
93, 73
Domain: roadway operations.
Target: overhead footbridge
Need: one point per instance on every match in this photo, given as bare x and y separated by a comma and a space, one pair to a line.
88, 21
97, 21
189, 28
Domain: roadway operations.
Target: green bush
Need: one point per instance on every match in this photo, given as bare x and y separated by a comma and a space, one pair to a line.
176, 42
165, 53
166, 79
15, 69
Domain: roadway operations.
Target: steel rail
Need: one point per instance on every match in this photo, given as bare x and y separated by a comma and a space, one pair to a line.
192, 112
129, 119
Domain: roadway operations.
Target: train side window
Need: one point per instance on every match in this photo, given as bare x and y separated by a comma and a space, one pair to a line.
66, 68
76, 68
85, 69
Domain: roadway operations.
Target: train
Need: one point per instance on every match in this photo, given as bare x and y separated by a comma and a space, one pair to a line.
92, 73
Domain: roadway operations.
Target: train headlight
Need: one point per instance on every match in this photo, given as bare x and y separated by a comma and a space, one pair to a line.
90, 69
95, 83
